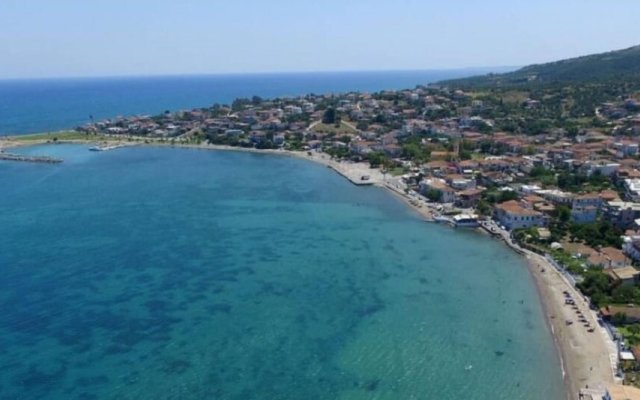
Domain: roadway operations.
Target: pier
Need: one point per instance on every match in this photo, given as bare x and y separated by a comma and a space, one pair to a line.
358, 177
107, 147
32, 159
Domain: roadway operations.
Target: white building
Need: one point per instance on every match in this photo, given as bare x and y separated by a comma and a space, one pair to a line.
621, 214
632, 189
463, 184
603, 167
587, 200
631, 248
626, 149
529, 189
584, 214
556, 196
512, 215
448, 195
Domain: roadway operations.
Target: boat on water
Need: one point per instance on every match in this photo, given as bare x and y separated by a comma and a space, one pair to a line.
465, 221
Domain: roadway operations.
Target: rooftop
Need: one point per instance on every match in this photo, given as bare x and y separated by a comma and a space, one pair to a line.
619, 392
623, 273
514, 207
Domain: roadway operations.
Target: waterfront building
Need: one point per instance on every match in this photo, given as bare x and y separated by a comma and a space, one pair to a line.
469, 198
448, 195
513, 215
465, 221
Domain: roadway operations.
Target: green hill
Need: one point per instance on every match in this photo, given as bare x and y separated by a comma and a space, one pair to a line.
605, 67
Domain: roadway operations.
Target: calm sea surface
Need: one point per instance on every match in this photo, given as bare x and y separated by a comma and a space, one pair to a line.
154, 273
28, 106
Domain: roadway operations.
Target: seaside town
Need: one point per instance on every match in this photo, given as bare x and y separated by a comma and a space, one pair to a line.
568, 191
557, 185
346, 200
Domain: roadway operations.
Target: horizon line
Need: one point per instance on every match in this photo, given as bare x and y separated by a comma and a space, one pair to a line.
502, 68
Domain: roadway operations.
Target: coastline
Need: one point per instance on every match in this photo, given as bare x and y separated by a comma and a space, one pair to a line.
584, 357
587, 359
351, 171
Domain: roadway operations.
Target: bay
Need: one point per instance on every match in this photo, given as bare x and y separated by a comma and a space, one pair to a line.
156, 273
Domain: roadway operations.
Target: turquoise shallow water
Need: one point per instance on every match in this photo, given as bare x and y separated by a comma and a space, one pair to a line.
149, 273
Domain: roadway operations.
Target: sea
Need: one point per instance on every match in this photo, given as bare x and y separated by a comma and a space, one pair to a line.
46, 105
160, 273
165, 273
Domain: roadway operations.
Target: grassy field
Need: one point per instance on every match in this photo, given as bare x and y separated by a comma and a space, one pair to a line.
632, 338
62, 135
397, 171
342, 129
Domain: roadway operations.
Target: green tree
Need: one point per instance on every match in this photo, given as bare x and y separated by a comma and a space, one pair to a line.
624, 294
465, 155
434, 195
507, 195
415, 152
619, 319
596, 285
329, 116
563, 213
483, 208
377, 159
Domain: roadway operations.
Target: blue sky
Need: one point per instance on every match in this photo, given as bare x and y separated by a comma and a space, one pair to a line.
52, 38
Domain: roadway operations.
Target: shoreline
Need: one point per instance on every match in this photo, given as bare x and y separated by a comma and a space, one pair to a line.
587, 359
350, 171
584, 357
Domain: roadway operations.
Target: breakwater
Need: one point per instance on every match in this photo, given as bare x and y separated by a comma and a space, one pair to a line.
26, 158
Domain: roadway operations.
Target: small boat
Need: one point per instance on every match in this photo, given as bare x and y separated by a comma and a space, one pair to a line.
468, 367
95, 148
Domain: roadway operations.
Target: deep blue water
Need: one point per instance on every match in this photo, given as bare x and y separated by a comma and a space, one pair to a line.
157, 273
28, 106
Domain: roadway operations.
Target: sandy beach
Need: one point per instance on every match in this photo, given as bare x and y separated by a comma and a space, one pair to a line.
588, 358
